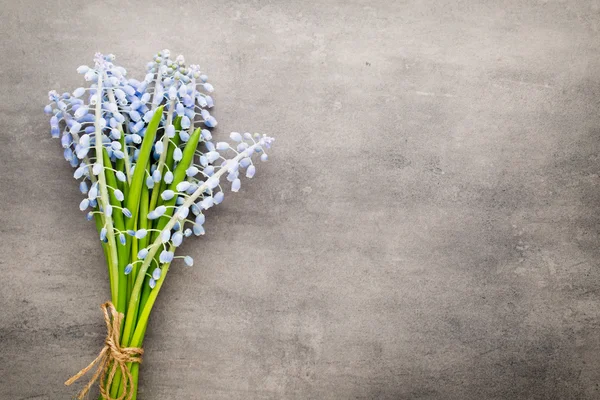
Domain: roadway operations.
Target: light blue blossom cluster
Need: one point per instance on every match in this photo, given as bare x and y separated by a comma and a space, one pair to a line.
145, 159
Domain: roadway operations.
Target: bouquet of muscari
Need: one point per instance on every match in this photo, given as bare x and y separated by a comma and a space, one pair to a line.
147, 164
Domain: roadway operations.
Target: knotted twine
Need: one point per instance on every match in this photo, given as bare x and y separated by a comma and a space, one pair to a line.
111, 354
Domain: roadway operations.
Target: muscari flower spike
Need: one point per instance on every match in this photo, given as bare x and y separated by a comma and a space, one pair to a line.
183, 171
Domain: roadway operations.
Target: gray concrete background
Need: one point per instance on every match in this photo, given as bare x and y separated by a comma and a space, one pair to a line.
427, 228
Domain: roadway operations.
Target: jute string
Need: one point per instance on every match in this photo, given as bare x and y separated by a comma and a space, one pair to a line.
111, 357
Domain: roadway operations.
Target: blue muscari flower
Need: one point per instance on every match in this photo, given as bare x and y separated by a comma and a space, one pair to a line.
198, 230
218, 197
126, 212
200, 218
103, 234
207, 203
187, 232
185, 122
165, 235
170, 131
122, 239
183, 186
250, 171
166, 256
235, 185
156, 273
83, 187
142, 254
211, 122
140, 233
222, 146
168, 177
128, 269
245, 162
152, 283
208, 87
206, 135
184, 136
93, 192
167, 195
182, 212
191, 171
85, 203
131, 232
177, 238
177, 154
189, 261
150, 182
108, 210
119, 195
90, 216
156, 176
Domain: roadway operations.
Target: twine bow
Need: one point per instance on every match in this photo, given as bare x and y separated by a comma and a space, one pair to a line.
111, 354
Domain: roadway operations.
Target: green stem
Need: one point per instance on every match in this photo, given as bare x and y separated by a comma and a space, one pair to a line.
110, 234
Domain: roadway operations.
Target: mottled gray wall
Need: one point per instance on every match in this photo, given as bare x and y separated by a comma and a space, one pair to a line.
427, 228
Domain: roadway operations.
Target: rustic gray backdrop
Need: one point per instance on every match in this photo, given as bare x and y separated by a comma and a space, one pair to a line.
427, 226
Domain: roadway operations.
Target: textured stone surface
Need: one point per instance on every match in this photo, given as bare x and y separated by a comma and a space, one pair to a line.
428, 226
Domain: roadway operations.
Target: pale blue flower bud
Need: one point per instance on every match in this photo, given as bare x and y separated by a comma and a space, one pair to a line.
119, 195
141, 233
198, 230
182, 186
184, 136
185, 122
212, 156
128, 269
189, 261
83, 187
177, 154
221, 146
167, 195
170, 131
156, 176
177, 238
187, 232
85, 203
208, 87
206, 135
166, 256
245, 162
218, 197
103, 234
152, 283
142, 253
122, 239
156, 273
250, 172
191, 171
207, 203
168, 177
149, 182
235, 186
